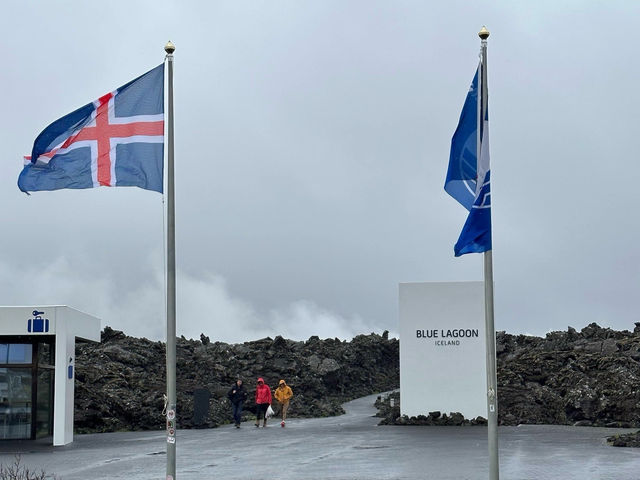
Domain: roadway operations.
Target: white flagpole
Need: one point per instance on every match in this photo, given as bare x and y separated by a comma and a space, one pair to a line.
171, 277
492, 387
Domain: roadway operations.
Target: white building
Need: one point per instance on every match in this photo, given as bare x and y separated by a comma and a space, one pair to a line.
37, 370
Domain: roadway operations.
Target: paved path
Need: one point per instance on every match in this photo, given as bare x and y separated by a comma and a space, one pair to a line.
349, 447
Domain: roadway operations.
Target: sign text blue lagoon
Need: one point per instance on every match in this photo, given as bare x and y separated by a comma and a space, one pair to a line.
452, 333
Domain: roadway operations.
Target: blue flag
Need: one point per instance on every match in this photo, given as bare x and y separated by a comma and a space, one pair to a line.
117, 140
468, 177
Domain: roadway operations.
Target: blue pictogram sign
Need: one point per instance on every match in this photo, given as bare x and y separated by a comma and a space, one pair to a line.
37, 324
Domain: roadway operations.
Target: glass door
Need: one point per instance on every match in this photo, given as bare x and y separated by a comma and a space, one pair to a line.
15, 403
26, 387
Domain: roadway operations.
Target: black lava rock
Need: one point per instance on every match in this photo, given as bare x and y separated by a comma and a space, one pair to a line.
120, 383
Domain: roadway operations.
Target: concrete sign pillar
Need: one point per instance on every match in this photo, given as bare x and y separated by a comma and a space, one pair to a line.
442, 349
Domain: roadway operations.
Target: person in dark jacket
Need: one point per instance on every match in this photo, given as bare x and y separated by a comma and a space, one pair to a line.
237, 395
263, 400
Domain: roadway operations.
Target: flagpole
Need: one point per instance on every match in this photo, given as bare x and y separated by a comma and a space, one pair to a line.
171, 277
492, 387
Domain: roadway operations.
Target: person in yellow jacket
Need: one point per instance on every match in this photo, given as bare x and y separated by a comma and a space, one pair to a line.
283, 394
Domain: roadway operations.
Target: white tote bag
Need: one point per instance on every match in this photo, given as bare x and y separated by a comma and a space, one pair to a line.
269, 413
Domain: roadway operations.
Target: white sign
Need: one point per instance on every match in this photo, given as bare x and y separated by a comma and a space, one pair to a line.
442, 349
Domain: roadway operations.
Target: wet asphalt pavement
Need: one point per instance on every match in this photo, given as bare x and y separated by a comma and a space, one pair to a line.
349, 447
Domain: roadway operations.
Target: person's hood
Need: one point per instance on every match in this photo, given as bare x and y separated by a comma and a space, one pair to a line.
282, 383
260, 380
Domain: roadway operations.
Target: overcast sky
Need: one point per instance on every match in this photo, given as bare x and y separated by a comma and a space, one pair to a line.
312, 142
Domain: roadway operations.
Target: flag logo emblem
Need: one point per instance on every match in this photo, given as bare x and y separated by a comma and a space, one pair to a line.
468, 175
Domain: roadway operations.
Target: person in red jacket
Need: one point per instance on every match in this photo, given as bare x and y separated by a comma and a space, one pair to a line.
263, 400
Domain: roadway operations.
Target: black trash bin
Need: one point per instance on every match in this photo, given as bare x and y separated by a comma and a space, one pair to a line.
201, 398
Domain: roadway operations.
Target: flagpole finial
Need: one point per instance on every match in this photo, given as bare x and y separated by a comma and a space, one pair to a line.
483, 33
169, 48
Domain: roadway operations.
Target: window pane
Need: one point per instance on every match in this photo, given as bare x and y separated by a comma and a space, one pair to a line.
20, 353
15, 353
45, 354
44, 404
15, 403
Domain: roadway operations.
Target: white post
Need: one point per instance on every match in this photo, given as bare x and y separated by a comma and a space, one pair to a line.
63, 395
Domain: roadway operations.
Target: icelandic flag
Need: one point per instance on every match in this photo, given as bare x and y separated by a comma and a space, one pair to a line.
468, 177
116, 141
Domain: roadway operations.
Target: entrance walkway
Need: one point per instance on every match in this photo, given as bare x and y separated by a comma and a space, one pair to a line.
348, 447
